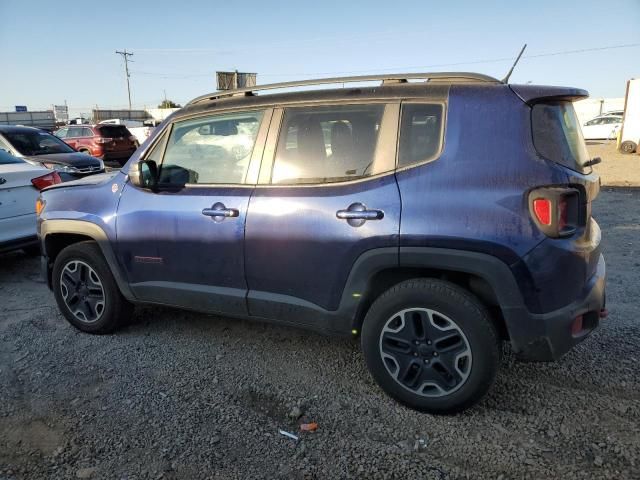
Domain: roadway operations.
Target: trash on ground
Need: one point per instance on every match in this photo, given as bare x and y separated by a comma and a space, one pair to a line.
287, 434
308, 427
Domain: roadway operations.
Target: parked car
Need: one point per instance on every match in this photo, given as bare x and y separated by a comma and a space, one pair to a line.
107, 142
615, 113
140, 130
602, 127
20, 183
46, 150
392, 213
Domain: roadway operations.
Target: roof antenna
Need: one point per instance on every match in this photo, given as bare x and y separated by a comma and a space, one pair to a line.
506, 78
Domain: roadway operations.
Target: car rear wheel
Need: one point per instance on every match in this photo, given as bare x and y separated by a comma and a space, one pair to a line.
86, 291
431, 345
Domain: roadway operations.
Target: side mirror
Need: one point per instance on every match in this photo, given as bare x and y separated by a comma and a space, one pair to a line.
144, 174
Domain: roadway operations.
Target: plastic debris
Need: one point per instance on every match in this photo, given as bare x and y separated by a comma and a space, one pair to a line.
308, 427
287, 434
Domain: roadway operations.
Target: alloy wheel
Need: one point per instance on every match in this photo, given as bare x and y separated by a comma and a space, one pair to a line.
82, 291
425, 352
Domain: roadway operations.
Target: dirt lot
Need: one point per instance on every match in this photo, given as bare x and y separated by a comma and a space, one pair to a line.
182, 395
616, 169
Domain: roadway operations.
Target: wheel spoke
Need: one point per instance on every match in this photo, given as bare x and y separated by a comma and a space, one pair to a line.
87, 308
410, 373
69, 279
393, 344
73, 300
416, 324
83, 272
433, 378
450, 341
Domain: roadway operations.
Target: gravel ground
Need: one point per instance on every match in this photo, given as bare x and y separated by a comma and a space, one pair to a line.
182, 396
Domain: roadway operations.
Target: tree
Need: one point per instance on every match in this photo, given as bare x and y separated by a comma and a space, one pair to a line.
169, 104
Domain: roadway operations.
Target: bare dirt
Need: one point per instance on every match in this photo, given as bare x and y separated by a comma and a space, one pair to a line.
617, 169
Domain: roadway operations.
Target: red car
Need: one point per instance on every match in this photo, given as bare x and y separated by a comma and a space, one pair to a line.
108, 142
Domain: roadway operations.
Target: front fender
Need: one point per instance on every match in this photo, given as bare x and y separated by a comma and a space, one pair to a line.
85, 229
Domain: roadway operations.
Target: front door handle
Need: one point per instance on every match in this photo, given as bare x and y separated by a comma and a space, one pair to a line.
219, 211
357, 214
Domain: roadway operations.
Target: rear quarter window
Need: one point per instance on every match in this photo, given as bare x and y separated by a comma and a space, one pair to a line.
557, 135
420, 133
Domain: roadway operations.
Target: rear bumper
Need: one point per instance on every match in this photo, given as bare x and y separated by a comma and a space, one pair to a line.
548, 336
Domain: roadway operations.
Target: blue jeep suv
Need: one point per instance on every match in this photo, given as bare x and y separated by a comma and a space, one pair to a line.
432, 219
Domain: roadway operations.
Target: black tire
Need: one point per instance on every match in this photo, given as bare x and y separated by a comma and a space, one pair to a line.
466, 368
84, 150
115, 309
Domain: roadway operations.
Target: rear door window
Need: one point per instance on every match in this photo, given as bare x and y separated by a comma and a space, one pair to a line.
557, 135
421, 130
327, 144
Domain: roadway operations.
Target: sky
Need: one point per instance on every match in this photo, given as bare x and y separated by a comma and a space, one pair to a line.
52, 52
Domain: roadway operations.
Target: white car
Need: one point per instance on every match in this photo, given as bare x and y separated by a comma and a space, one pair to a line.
602, 127
20, 185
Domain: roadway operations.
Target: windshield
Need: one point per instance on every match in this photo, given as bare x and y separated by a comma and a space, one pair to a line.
557, 134
6, 159
36, 142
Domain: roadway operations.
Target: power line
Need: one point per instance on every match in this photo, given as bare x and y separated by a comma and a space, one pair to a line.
415, 67
126, 56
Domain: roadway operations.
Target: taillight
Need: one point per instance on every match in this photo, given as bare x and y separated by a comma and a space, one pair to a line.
542, 209
103, 140
557, 211
46, 180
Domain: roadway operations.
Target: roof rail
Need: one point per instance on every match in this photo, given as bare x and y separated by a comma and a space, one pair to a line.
385, 79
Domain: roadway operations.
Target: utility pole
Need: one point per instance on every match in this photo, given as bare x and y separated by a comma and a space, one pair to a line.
126, 56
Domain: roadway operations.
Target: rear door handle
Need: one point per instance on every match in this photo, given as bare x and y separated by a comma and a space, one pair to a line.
219, 211
357, 214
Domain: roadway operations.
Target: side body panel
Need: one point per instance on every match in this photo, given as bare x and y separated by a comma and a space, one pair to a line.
174, 254
471, 197
298, 252
474, 197
88, 209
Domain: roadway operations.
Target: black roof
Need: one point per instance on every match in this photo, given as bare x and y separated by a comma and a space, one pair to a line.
18, 129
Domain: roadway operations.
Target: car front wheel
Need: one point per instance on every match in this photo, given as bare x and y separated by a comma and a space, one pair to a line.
85, 290
431, 345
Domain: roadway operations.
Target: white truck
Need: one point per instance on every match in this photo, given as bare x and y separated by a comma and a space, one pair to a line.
630, 132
